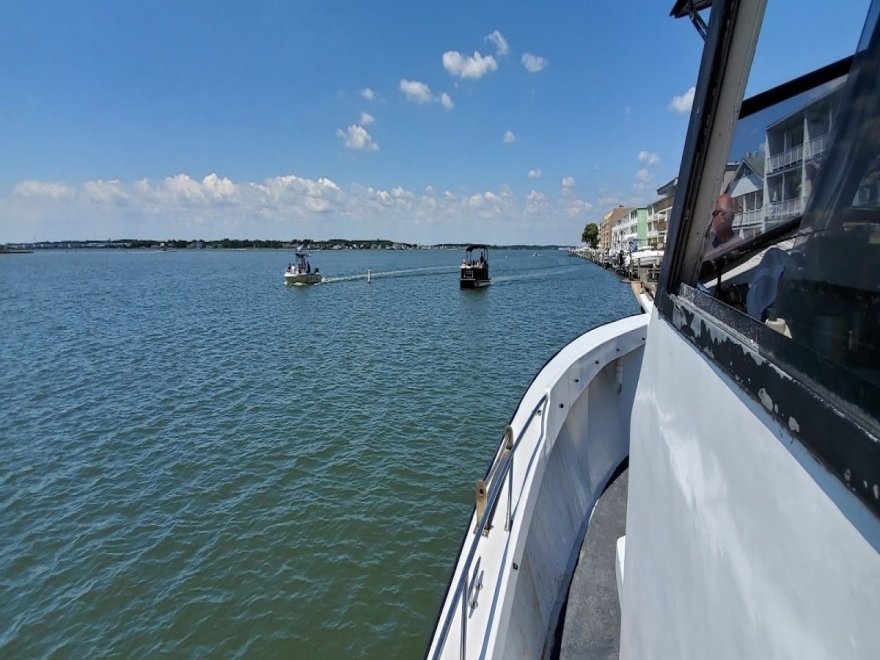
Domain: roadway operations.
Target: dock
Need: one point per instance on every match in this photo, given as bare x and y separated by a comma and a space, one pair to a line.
642, 278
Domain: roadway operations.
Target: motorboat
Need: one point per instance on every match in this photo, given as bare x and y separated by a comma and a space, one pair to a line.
703, 480
646, 258
299, 272
475, 267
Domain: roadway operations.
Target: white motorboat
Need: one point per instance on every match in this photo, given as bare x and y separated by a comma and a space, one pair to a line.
703, 481
646, 258
300, 272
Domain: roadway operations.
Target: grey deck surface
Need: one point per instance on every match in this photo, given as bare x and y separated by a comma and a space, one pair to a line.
592, 617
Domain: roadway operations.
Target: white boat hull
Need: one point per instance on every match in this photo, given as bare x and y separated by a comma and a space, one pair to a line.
727, 515
563, 462
293, 279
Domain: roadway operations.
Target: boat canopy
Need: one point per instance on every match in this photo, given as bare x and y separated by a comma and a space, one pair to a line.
476, 246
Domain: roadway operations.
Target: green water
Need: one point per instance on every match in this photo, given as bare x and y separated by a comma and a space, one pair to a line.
197, 460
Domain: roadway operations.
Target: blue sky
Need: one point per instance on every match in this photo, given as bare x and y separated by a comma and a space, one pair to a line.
419, 122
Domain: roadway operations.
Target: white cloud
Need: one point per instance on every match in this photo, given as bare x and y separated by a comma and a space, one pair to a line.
475, 66
43, 189
357, 137
568, 182
648, 157
366, 119
402, 193
534, 63
184, 188
290, 193
218, 188
419, 92
536, 202
509, 137
535, 174
492, 198
501, 47
214, 206
368, 94
415, 91
643, 180
105, 192
683, 103
578, 207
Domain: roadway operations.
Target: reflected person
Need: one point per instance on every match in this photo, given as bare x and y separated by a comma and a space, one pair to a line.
726, 208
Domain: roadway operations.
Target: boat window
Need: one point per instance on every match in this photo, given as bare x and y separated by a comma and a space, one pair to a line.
794, 237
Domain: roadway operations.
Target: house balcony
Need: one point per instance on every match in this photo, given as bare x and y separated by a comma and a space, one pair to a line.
779, 211
785, 159
817, 146
752, 218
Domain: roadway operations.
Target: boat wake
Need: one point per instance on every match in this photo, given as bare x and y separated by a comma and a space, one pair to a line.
535, 274
387, 274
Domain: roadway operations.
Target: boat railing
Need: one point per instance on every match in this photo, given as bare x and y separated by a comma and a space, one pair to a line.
500, 472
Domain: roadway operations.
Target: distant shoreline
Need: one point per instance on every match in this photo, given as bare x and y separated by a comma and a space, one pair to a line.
239, 244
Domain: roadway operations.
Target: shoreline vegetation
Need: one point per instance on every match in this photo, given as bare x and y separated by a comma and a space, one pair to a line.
248, 244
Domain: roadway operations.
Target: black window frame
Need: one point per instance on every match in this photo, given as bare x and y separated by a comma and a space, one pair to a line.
831, 413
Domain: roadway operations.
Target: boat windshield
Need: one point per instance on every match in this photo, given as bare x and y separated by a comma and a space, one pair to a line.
794, 237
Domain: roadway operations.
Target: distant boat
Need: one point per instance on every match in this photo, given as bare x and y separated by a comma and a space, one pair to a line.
300, 271
475, 268
703, 480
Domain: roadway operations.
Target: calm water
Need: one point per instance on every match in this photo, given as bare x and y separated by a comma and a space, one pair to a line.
196, 459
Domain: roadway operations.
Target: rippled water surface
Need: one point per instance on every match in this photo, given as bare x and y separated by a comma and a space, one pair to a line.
196, 459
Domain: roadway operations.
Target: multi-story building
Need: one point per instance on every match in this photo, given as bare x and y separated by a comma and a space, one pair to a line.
630, 232
606, 228
658, 216
774, 184
747, 189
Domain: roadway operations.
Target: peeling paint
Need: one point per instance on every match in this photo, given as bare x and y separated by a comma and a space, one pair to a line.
766, 401
738, 353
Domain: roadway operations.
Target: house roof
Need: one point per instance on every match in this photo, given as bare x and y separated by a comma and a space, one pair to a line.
668, 189
755, 163
617, 213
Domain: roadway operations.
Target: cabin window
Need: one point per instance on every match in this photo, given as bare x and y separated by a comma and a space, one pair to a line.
794, 238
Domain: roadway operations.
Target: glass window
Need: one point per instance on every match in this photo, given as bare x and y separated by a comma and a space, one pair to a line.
794, 237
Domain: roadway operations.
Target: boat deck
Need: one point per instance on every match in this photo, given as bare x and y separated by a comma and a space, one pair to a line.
591, 627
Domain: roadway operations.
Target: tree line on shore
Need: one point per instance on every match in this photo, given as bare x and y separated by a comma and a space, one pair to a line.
246, 243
